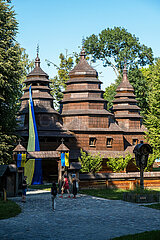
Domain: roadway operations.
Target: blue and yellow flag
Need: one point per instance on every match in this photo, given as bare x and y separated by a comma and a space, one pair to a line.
33, 167
21, 159
67, 159
63, 159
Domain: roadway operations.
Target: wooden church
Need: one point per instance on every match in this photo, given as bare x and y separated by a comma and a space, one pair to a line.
84, 122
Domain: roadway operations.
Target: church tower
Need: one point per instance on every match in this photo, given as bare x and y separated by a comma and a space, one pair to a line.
84, 110
127, 113
48, 120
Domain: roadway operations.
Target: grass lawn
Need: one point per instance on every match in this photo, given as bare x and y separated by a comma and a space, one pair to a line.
114, 194
155, 206
41, 187
117, 194
8, 209
152, 235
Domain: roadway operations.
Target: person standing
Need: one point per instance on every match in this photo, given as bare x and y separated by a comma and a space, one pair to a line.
54, 194
74, 185
65, 186
24, 189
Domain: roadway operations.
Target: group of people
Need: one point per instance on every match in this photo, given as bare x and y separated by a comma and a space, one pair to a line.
65, 187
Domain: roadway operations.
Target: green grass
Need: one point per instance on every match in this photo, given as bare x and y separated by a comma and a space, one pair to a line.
152, 235
114, 194
117, 194
40, 187
155, 206
8, 209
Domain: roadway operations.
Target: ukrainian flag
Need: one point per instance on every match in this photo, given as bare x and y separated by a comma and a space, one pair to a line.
33, 167
63, 159
21, 159
67, 159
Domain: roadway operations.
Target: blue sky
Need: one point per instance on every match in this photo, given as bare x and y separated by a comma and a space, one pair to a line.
58, 25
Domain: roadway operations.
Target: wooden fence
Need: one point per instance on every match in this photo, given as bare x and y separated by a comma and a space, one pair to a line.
119, 180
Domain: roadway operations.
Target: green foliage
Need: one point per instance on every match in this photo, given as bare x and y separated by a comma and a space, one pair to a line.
11, 71
27, 64
150, 162
152, 119
59, 81
115, 46
119, 163
90, 163
141, 88
110, 92
6, 146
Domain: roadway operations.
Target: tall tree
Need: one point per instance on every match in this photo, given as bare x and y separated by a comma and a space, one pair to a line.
152, 119
11, 70
115, 46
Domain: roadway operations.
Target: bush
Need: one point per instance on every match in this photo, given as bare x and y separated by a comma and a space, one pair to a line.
119, 163
90, 163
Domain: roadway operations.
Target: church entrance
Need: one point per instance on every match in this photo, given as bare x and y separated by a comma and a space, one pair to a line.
50, 170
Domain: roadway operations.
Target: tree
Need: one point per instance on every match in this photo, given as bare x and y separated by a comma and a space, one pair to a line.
11, 70
152, 120
27, 64
117, 46
119, 163
59, 81
110, 92
90, 163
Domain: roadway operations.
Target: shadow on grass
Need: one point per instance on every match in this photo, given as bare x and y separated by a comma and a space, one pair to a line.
8, 209
152, 235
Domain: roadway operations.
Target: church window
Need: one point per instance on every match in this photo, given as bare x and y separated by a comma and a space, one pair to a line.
109, 142
92, 141
134, 141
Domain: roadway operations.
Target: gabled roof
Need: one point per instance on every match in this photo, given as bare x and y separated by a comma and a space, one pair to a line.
19, 148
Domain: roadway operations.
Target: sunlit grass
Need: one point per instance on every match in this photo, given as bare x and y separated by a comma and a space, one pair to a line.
46, 187
114, 194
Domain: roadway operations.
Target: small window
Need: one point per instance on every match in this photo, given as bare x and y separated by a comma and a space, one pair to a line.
134, 141
92, 142
109, 142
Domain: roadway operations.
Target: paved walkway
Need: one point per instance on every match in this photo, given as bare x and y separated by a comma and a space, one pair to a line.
84, 218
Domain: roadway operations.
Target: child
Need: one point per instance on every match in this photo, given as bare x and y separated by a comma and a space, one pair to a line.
53, 193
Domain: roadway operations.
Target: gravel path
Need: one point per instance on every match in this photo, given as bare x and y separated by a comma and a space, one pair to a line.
83, 218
